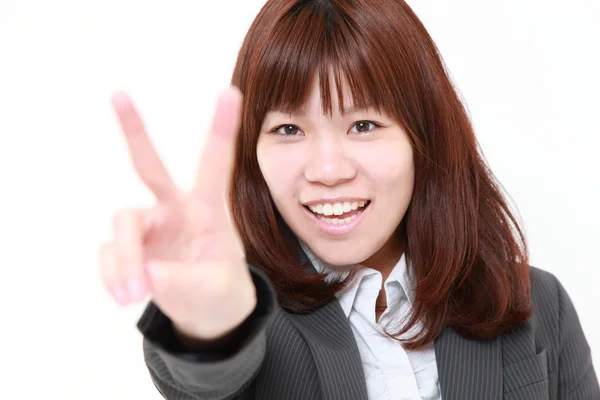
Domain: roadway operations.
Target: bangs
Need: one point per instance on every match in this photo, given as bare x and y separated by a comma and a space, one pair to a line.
316, 39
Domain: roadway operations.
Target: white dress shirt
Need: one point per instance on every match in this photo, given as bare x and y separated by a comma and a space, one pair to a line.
391, 372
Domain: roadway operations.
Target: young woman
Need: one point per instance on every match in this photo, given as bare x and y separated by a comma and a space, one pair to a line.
345, 238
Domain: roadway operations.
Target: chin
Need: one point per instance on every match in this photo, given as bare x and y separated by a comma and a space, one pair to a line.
339, 254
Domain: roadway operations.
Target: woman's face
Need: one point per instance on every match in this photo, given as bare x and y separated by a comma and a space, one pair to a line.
356, 176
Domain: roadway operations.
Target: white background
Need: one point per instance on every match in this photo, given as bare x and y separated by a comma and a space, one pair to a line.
528, 71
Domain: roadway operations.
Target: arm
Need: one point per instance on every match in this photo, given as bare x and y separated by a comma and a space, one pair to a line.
576, 376
220, 369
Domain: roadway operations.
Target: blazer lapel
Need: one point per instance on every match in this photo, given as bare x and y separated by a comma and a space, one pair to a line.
468, 369
331, 341
329, 336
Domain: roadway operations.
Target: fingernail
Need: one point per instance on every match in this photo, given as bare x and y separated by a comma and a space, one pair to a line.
120, 295
136, 289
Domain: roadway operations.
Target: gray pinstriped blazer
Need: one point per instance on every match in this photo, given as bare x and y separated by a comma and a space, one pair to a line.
314, 356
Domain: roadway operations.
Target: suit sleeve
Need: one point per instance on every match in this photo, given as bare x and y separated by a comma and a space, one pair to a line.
577, 379
209, 370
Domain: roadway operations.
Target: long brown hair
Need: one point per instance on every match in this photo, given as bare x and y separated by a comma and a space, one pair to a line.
468, 255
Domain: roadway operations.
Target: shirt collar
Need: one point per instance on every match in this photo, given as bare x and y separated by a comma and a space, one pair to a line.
399, 274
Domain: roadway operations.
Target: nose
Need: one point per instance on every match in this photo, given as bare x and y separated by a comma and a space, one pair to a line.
329, 163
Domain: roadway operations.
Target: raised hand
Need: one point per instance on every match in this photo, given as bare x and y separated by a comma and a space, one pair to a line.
184, 252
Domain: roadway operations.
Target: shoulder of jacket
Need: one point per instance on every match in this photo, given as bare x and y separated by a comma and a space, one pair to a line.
545, 301
543, 283
545, 288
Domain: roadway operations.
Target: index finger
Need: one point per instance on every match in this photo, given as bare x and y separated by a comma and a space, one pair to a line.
145, 159
216, 165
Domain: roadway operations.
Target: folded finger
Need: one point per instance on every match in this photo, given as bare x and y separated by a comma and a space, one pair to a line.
110, 273
128, 231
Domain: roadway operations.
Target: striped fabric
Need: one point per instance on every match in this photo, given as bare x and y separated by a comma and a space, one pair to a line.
315, 356
391, 372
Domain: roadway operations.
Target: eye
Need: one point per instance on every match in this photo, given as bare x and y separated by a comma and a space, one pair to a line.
286, 130
289, 130
363, 126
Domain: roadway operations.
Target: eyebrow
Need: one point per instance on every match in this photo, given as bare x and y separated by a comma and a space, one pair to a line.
302, 113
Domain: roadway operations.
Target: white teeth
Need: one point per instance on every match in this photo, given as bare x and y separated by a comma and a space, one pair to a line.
338, 221
347, 207
337, 208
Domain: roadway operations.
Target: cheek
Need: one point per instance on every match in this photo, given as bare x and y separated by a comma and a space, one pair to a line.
390, 165
279, 168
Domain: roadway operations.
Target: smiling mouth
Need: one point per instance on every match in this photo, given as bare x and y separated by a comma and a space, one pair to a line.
339, 219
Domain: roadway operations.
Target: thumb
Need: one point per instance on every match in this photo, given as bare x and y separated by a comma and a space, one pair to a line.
158, 272
183, 277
